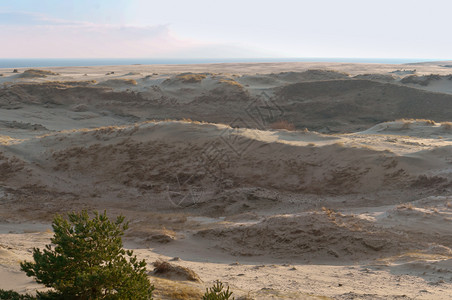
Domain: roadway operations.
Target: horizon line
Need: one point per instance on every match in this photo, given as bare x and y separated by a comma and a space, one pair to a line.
231, 58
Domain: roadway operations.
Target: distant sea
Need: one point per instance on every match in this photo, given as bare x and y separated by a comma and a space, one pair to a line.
79, 62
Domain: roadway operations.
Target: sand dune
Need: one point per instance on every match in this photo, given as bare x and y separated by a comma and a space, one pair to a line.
324, 101
352, 202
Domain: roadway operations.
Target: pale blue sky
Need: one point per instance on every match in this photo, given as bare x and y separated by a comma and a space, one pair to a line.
225, 29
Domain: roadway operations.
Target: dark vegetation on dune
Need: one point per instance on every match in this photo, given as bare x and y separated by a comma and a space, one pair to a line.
352, 105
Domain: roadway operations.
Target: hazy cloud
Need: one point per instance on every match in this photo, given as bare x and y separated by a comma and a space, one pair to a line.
35, 35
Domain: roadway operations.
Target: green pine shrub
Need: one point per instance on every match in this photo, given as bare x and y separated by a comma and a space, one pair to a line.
87, 261
216, 292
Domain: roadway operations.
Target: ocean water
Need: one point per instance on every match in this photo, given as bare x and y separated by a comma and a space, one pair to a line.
78, 62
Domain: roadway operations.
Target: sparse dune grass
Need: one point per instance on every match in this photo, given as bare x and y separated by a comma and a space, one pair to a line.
230, 82
190, 77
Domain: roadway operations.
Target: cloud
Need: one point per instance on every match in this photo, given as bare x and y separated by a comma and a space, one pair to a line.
17, 18
35, 35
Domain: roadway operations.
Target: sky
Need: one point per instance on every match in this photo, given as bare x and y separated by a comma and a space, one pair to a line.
225, 29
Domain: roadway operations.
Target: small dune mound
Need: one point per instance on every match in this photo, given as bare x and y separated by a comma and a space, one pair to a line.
35, 73
423, 80
118, 82
80, 108
162, 236
171, 271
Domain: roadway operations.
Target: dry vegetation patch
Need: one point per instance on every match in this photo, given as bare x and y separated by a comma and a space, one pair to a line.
283, 124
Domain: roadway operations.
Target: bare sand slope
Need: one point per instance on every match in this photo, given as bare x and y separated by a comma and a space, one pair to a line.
356, 206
